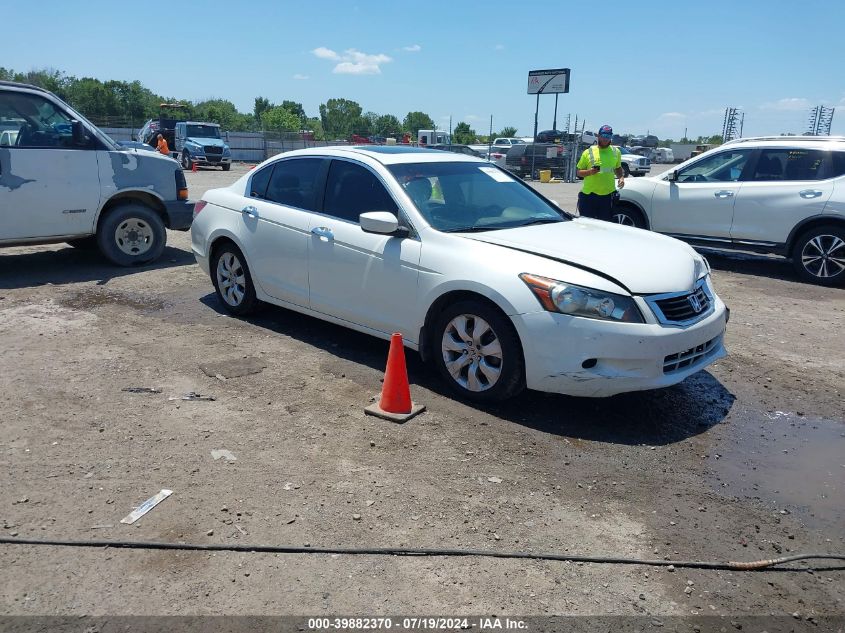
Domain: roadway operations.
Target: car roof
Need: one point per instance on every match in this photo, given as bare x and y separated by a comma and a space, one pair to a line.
16, 84
385, 154
815, 142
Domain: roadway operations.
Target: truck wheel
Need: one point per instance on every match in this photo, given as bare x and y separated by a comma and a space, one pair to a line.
186, 161
131, 234
626, 170
226, 166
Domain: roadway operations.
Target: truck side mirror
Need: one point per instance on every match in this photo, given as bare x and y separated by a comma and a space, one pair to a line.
78, 133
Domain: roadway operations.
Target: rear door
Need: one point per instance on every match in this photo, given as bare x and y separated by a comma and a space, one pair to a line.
275, 224
701, 202
786, 186
49, 187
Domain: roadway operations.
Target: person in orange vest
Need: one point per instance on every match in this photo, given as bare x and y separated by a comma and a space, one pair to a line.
161, 146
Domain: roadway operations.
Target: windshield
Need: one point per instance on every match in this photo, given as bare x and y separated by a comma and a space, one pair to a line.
455, 197
203, 131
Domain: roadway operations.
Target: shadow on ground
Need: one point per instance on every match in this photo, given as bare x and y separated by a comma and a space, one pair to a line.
768, 266
70, 265
655, 417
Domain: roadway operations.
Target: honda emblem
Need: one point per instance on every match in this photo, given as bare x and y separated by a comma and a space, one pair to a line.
696, 304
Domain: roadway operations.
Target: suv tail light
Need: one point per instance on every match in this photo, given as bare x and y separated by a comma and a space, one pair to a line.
181, 185
199, 206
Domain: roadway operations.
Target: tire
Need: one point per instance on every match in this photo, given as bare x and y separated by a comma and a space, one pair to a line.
818, 255
626, 170
226, 166
131, 234
84, 243
186, 161
466, 330
232, 280
628, 215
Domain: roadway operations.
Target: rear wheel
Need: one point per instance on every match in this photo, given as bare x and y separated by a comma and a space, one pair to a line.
232, 280
819, 255
477, 351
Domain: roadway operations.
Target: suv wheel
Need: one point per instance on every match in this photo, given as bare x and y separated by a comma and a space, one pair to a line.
131, 234
627, 215
819, 255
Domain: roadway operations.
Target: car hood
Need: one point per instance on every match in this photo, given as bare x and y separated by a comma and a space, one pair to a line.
199, 140
641, 261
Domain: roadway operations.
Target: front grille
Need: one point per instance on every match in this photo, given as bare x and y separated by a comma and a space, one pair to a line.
676, 362
213, 149
683, 308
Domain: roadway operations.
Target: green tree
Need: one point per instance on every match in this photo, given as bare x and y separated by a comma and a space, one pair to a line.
388, 125
463, 133
508, 131
339, 117
295, 108
280, 119
416, 121
262, 104
315, 126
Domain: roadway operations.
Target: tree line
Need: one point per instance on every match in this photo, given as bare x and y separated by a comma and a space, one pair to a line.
130, 104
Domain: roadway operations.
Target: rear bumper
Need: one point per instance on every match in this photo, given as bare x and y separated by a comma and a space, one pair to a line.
180, 214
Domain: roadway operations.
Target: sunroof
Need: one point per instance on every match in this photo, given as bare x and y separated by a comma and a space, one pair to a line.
393, 149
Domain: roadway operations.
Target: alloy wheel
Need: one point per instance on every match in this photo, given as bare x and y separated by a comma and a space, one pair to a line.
231, 279
824, 256
472, 352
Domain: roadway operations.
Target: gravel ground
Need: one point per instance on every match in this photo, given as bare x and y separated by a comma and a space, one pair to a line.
743, 461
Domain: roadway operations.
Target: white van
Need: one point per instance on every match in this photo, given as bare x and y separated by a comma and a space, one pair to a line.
662, 155
63, 180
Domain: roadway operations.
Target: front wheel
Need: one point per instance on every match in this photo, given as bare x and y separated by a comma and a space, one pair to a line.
624, 214
626, 170
477, 351
226, 166
186, 161
819, 255
131, 234
232, 280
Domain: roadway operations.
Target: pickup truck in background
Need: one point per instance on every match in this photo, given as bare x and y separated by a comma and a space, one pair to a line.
64, 180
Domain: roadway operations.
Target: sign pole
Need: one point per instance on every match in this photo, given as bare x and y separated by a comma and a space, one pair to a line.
533, 148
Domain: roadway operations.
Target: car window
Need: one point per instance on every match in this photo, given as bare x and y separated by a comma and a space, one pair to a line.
36, 121
838, 164
258, 182
794, 164
352, 189
293, 182
472, 196
725, 166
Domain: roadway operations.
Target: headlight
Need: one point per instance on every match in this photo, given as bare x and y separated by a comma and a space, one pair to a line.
226, 151
566, 298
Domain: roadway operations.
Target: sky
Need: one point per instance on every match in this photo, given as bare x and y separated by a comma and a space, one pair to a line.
643, 67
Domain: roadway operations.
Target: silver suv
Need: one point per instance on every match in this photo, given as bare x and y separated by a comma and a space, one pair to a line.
783, 195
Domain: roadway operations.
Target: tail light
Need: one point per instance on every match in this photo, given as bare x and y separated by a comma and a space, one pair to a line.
199, 206
181, 185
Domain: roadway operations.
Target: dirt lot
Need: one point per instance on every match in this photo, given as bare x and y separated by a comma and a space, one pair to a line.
740, 462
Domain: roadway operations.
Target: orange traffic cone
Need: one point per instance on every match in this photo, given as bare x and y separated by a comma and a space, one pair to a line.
194, 167
395, 403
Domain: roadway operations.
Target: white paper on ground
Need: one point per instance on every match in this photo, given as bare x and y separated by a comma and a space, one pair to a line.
145, 507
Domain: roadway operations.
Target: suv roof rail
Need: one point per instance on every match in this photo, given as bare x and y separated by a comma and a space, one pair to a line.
792, 138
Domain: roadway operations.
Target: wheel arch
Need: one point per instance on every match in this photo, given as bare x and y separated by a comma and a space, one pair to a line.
638, 208
811, 223
128, 197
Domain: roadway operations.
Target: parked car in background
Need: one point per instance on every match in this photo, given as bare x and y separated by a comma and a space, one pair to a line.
63, 180
491, 282
634, 164
588, 138
645, 141
662, 155
783, 195
456, 148
507, 143
531, 158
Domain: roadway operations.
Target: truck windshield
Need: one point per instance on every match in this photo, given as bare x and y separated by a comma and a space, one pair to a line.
203, 131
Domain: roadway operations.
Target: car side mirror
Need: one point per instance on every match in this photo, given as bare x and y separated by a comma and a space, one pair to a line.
78, 131
673, 177
382, 223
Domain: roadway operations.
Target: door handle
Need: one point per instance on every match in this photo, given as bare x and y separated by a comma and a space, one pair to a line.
250, 211
323, 232
810, 193
724, 194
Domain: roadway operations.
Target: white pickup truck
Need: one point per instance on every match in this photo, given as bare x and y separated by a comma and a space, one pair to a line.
63, 180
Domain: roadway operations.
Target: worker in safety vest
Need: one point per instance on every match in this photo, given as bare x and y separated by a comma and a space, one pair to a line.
598, 166
161, 146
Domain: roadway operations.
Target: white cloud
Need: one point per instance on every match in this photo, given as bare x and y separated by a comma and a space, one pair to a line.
414, 48
790, 104
298, 76
672, 116
353, 62
325, 53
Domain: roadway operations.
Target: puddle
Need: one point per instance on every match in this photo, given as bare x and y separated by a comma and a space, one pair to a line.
93, 299
789, 463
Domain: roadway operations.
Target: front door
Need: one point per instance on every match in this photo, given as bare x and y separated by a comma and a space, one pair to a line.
49, 187
700, 203
367, 279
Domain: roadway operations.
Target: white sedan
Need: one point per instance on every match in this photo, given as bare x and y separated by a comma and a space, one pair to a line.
486, 278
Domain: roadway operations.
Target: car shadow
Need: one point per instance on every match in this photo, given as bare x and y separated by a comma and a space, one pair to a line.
744, 263
655, 418
73, 265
